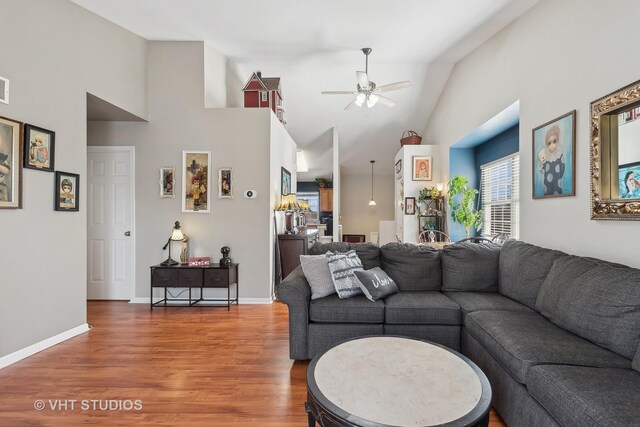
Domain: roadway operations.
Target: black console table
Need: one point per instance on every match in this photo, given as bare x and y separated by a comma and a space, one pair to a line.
201, 278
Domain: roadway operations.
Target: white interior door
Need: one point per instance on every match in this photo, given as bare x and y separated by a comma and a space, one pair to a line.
110, 238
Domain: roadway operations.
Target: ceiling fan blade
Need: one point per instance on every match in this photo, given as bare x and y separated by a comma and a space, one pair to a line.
352, 105
338, 92
386, 101
363, 80
393, 86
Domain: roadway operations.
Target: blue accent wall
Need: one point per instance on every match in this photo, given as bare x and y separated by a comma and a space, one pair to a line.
467, 161
501, 145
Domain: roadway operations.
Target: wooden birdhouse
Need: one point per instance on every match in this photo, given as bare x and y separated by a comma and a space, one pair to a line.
264, 92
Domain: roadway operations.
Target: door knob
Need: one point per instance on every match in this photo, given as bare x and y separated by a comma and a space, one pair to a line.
127, 233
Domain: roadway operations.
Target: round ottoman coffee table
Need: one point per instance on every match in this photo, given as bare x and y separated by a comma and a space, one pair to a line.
395, 381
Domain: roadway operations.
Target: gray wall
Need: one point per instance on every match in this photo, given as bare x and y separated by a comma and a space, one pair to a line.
559, 56
357, 217
237, 138
54, 52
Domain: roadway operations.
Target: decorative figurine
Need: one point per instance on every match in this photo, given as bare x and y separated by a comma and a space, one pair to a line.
225, 261
184, 253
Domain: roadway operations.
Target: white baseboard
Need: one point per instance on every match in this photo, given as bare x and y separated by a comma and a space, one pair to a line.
145, 300
256, 301
16, 356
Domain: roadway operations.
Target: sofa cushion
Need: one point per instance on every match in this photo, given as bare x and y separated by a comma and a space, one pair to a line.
579, 396
636, 360
412, 267
522, 269
470, 266
343, 266
368, 253
375, 283
421, 308
596, 300
316, 270
322, 248
358, 309
519, 340
474, 301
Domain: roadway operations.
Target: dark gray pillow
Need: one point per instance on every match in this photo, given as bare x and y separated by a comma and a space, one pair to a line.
636, 360
596, 300
470, 267
316, 270
343, 266
413, 268
368, 253
322, 248
522, 269
375, 283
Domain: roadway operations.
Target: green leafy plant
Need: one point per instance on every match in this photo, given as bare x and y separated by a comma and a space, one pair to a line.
461, 200
322, 183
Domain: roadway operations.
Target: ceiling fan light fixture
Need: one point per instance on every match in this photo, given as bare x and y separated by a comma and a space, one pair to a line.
372, 100
360, 99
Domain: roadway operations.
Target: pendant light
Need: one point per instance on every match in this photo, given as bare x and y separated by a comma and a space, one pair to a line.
372, 202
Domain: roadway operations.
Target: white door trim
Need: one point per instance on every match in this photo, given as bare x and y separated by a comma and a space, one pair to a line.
132, 155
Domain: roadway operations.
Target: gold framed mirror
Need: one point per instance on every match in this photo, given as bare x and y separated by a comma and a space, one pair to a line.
615, 155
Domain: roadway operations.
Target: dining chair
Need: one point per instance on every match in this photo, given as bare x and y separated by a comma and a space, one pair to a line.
428, 236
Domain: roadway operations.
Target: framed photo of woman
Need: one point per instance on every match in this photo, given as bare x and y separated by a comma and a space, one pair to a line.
422, 168
167, 182
10, 164
67, 192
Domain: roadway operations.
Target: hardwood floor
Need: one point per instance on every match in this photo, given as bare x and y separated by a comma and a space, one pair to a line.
185, 366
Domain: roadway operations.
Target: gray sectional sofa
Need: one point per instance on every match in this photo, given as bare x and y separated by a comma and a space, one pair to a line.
557, 335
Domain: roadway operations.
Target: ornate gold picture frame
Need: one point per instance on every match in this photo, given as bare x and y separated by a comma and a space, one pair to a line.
607, 201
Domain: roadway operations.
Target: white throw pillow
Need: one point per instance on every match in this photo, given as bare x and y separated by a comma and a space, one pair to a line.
343, 266
316, 270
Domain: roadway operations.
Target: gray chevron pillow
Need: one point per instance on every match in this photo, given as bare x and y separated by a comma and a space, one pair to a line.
343, 266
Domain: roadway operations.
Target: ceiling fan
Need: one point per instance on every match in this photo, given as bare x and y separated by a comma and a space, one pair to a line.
366, 91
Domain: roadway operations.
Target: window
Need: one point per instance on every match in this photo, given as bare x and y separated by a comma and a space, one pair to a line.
314, 203
500, 192
264, 96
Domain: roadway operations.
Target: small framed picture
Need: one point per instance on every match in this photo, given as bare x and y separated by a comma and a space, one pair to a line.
196, 181
167, 182
39, 148
421, 168
285, 181
67, 192
554, 160
225, 183
409, 205
4, 90
10, 164
399, 169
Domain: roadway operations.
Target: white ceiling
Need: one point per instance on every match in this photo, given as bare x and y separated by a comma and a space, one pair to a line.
314, 46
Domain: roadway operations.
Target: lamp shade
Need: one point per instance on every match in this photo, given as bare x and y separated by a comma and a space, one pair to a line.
176, 233
289, 203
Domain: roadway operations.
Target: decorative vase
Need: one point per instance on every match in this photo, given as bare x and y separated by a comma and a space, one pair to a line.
225, 261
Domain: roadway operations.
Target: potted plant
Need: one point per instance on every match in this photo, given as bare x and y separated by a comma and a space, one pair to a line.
461, 200
322, 183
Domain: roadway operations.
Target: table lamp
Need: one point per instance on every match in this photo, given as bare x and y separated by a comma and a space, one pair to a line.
289, 205
176, 236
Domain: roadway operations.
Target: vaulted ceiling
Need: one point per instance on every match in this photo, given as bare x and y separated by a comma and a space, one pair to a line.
315, 46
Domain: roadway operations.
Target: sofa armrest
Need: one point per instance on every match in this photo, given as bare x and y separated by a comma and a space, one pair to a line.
294, 291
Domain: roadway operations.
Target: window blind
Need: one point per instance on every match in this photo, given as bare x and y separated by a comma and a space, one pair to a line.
500, 195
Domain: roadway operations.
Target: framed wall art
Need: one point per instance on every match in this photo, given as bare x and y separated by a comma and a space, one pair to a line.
196, 181
554, 160
10, 164
66, 192
409, 205
285, 181
4, 90
167, 182
421, 168
225, 183
39, 148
